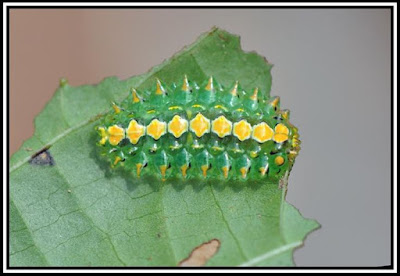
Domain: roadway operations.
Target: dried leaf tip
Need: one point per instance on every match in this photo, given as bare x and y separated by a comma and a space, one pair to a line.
63, 82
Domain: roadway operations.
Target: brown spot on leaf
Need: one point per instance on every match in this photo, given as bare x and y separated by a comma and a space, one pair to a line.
281, 183
201, 254
222, 37
42, 158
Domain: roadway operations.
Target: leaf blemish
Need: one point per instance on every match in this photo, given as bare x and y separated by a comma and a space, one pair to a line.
42, 158
201, 254
222, 37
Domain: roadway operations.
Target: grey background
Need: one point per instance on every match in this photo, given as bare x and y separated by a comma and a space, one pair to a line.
331, 69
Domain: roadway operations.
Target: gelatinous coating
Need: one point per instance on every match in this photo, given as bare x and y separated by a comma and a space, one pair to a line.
190, 131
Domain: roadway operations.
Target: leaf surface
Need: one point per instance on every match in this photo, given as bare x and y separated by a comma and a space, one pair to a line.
78, 213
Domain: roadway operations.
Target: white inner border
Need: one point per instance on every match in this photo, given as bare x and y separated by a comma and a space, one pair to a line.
172, 4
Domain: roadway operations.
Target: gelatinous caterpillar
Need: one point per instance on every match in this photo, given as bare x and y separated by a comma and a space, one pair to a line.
190, 131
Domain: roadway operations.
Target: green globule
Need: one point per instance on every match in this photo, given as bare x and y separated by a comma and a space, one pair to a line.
187, 131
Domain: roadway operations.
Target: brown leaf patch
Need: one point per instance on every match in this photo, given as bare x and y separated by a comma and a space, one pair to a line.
201, 254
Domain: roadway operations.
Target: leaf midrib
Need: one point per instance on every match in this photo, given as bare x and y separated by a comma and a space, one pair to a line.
272, 253
150, 73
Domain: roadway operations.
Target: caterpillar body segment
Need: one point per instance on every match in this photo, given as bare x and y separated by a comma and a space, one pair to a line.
188, 131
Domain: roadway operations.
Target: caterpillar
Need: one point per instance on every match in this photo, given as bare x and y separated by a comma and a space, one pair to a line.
186, 131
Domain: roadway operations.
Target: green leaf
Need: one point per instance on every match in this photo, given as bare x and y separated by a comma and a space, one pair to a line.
77, 213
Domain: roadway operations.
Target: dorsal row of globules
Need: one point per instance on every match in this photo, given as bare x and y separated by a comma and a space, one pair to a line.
188, 131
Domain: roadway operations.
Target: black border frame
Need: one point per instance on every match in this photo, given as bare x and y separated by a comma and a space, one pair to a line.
382, 268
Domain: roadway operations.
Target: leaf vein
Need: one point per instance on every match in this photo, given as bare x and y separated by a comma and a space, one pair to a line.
30, 232
227, 225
